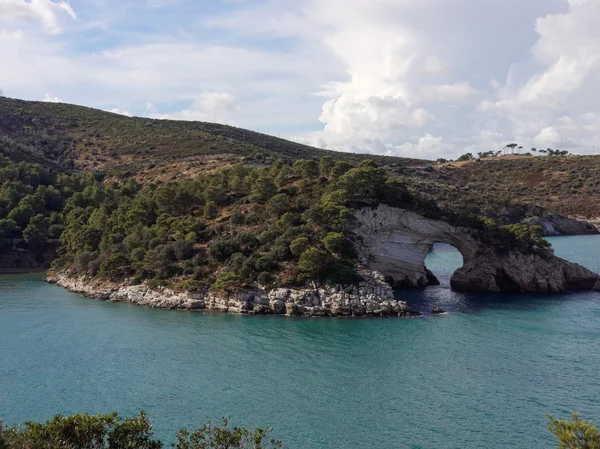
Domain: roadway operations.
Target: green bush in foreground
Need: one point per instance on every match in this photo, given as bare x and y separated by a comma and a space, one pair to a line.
111, 431
84, 431
574, 434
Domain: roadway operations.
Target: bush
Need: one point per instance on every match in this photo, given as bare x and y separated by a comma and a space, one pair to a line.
113, 265
222, 249
313, 262
299, 245
334, 242
574, 434
226, 280
211, 210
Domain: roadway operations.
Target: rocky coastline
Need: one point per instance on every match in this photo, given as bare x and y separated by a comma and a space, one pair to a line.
373, 297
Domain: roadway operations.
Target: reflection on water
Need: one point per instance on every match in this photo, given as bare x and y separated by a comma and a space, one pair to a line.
444, 260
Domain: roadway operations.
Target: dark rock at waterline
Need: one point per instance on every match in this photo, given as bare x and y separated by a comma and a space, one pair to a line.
431, 278
437, 310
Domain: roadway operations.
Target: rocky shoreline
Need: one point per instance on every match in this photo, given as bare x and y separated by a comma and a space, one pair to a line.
373, 297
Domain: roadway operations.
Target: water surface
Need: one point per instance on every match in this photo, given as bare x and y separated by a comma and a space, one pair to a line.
483, 376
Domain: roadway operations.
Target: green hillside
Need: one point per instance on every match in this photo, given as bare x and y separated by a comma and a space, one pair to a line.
65, 137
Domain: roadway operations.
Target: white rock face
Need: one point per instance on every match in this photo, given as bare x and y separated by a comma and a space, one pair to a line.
372, 297
395, 242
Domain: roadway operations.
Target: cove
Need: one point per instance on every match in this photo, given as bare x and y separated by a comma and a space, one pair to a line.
483, 376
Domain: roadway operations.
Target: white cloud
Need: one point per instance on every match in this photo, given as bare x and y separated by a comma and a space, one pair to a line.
453, 93
548, 137
47, 12
120, 112
427, 147
401, 77
51, 99
208, 107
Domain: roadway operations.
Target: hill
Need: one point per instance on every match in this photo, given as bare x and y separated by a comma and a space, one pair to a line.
513, 186
63, 137
66, 137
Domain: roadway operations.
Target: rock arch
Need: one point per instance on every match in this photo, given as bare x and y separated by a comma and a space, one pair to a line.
395, 242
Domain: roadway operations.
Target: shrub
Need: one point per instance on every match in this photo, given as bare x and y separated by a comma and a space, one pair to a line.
211, 210
299, 245
335, 242
113, 265
313, 262
226, 280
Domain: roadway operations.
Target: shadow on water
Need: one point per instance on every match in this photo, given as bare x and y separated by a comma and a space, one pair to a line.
444, 260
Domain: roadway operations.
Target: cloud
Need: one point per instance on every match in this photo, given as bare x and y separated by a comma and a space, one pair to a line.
401, 77
120, 112
209, 107
51, 99
47, 12
461, 92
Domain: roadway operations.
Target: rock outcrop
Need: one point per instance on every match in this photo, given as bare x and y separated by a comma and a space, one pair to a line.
555, 225
372, 297
395, 242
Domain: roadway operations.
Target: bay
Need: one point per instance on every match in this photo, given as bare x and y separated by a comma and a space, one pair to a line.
482, 376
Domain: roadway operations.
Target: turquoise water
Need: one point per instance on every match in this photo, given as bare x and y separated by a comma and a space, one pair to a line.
482, 376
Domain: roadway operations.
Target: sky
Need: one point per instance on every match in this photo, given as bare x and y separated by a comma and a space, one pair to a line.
413, 78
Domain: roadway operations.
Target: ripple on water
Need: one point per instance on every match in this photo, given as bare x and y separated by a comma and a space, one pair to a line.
483, 376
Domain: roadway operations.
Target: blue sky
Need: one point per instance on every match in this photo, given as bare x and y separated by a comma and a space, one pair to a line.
417, 78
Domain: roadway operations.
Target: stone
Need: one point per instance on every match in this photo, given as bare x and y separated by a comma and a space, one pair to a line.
395, 242
278, 307
437, 310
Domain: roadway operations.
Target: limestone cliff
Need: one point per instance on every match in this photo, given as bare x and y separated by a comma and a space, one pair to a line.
372, 297
395, 242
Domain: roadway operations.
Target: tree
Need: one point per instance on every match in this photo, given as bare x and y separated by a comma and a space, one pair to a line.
326, 165
335, 242
511, 147
466, 157
340, 168
313, 262
226, 281
575, 433
299, 245
37, 230
263, 189
85, 431
210, 436
364, 183
211, 210
278, 205
8, 228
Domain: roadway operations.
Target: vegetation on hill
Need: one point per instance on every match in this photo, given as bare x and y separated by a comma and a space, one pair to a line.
509, 188
65, 137
68, 138
238, 227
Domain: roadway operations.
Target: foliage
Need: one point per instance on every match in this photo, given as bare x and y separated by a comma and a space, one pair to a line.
296, 230
575, 433
466, 157
84, 431
111, 431
299, 245
211, 436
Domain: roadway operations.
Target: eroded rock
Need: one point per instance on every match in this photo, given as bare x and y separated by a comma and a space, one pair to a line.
395, 242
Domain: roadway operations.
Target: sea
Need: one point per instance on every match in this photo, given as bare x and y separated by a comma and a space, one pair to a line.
483, 375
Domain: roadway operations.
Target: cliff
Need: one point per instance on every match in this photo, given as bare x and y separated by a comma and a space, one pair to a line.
372, 297
395, 242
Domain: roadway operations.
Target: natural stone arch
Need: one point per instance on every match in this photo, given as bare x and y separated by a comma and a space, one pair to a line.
395, 242
435, 272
